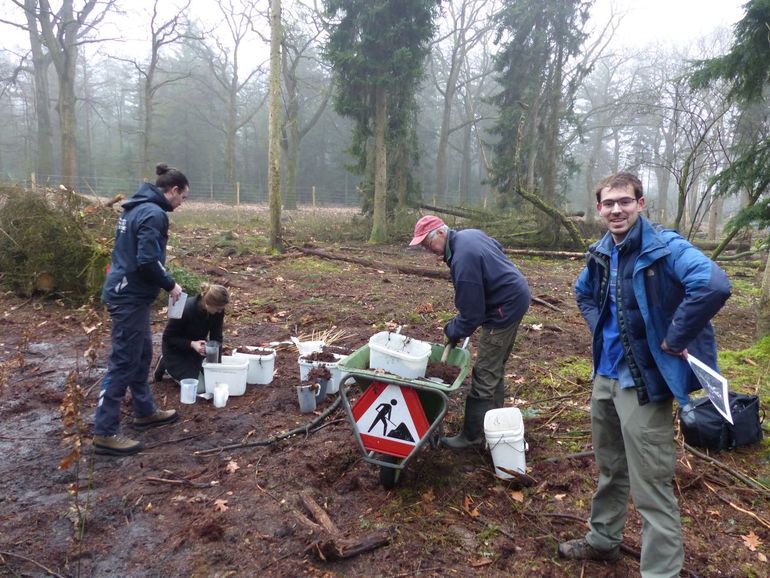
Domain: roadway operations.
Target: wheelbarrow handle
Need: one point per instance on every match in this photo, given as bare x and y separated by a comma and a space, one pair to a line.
448, 347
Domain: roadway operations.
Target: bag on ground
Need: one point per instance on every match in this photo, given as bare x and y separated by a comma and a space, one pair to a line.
705, 427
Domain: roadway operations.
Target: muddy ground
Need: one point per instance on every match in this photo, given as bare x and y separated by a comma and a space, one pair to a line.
173, 511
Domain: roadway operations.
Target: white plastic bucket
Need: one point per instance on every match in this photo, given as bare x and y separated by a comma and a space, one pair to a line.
398, 354
504, 430
232, 371
305, 366
261, 364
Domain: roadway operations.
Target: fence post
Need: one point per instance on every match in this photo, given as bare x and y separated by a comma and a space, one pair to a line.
313, 192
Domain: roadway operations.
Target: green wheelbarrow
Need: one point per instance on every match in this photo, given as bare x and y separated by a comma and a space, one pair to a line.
394, 417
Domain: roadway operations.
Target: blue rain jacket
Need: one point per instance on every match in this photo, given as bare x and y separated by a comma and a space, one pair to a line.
667, 289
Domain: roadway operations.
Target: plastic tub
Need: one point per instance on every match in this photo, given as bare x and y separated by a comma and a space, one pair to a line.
232, 371
398, 354
333, 385
261, 364
504, 430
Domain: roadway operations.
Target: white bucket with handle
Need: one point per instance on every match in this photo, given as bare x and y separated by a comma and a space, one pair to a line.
504, 431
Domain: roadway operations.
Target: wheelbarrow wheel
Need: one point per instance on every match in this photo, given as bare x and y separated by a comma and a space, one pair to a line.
389, 476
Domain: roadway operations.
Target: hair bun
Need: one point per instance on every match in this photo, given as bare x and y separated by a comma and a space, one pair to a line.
161, 169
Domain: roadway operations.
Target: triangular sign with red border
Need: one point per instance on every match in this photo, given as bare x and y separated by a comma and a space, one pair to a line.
390, 419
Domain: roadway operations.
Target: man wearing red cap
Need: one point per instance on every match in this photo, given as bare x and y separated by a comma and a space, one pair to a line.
490, 292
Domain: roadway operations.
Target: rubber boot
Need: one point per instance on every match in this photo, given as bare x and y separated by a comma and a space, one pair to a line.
473, 426
499, 396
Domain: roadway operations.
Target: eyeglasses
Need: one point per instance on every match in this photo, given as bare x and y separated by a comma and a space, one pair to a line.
624, 203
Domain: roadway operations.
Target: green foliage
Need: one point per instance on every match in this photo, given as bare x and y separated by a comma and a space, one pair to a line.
750, 375
189, 281
539, 38
53, 242
381, 45
746, 67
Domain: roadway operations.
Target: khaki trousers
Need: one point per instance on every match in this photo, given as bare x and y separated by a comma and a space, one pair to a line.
635, 450
492, 352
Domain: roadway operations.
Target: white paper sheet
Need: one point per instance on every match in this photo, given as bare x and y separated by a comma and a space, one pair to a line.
175, 311
714, 384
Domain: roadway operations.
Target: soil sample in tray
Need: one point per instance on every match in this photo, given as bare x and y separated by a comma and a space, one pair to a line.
319, 373
323, 356
444, 371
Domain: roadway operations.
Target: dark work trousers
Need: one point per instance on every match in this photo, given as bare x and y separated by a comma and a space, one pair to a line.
493, 350
128, 367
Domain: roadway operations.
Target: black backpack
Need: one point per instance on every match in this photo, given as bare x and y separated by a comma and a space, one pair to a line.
709, 429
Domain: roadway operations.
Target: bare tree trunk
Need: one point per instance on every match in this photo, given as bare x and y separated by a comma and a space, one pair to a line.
40, 63
465, 170
714, 211
60, 32
379, 218
274, 121
290, 141
88, 147
68, 123
763, 309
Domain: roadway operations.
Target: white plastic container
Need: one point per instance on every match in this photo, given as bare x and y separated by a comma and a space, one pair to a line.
261, 364
305, 366
188, 389
334, 382
504, 430
232, 371
221, 395
398, 354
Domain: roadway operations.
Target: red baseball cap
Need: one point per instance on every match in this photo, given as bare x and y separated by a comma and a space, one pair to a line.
424, 226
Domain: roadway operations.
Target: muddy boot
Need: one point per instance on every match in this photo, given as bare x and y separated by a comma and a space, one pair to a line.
499, 397
580, 549
473, 426
116, 445
160, 417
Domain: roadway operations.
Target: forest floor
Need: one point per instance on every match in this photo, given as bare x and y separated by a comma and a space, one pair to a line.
183, 507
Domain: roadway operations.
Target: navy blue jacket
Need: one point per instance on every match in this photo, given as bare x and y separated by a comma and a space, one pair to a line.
666, 289
181, 360
140, 240
489, 289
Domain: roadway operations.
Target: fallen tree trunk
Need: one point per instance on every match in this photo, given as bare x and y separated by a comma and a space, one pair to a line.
454, 211
549, 254
365, 263
400, 269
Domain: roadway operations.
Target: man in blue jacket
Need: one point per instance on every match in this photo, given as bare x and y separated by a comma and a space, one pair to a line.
135, 278
490, 292
648, 296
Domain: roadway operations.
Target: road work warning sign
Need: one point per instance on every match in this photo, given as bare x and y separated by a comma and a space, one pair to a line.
390, 419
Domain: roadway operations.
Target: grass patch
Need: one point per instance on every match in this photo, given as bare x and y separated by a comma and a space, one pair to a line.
746, 292
311, 267
747, 369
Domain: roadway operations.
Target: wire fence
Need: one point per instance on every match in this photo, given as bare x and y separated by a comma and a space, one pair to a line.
223, 193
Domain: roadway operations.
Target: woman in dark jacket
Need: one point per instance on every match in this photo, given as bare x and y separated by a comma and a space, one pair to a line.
184, 339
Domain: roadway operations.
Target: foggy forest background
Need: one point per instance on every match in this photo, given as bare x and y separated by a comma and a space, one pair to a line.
526, 89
